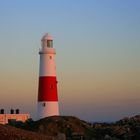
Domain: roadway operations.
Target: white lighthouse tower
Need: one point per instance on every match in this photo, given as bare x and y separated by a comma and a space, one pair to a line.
47, 91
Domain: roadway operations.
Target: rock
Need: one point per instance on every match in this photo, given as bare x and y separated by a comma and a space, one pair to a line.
61, 136
107, 137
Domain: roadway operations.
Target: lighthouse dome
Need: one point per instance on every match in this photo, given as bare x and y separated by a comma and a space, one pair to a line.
47, 36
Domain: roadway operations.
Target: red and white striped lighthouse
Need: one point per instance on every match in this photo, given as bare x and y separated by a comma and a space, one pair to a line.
47, 92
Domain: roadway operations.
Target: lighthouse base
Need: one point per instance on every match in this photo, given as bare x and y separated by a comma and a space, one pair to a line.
46, 109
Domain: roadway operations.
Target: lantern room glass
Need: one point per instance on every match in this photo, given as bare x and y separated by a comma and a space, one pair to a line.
49, 43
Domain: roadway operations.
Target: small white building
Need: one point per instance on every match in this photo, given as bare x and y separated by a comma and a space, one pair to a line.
5, 118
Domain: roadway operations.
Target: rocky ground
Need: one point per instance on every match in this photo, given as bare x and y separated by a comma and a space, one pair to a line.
61, 126
12, 133
71, 128
125, 129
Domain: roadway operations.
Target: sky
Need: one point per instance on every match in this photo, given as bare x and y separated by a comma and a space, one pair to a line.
98, 55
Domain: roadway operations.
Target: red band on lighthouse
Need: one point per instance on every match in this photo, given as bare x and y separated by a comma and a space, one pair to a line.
47, 91
47, 85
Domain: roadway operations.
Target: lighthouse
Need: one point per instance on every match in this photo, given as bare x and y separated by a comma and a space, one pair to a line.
47, 90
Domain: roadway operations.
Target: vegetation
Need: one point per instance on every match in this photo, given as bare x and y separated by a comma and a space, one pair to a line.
72, 128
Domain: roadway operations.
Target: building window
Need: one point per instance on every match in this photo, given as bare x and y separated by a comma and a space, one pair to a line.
44, 104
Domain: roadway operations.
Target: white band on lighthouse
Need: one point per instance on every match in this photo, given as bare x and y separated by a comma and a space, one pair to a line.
47, 62
47, 92
49, 109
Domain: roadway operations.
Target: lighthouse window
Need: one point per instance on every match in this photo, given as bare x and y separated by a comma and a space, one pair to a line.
50, 57
51, 86
44, 104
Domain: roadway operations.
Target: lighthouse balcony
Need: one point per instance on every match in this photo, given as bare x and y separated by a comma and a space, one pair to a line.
46, 50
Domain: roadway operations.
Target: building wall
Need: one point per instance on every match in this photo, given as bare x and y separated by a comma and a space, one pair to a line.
18, 117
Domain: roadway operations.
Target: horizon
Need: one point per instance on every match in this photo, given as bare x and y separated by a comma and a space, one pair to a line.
97, 56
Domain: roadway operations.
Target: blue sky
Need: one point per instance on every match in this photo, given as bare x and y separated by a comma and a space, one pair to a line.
98, 55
